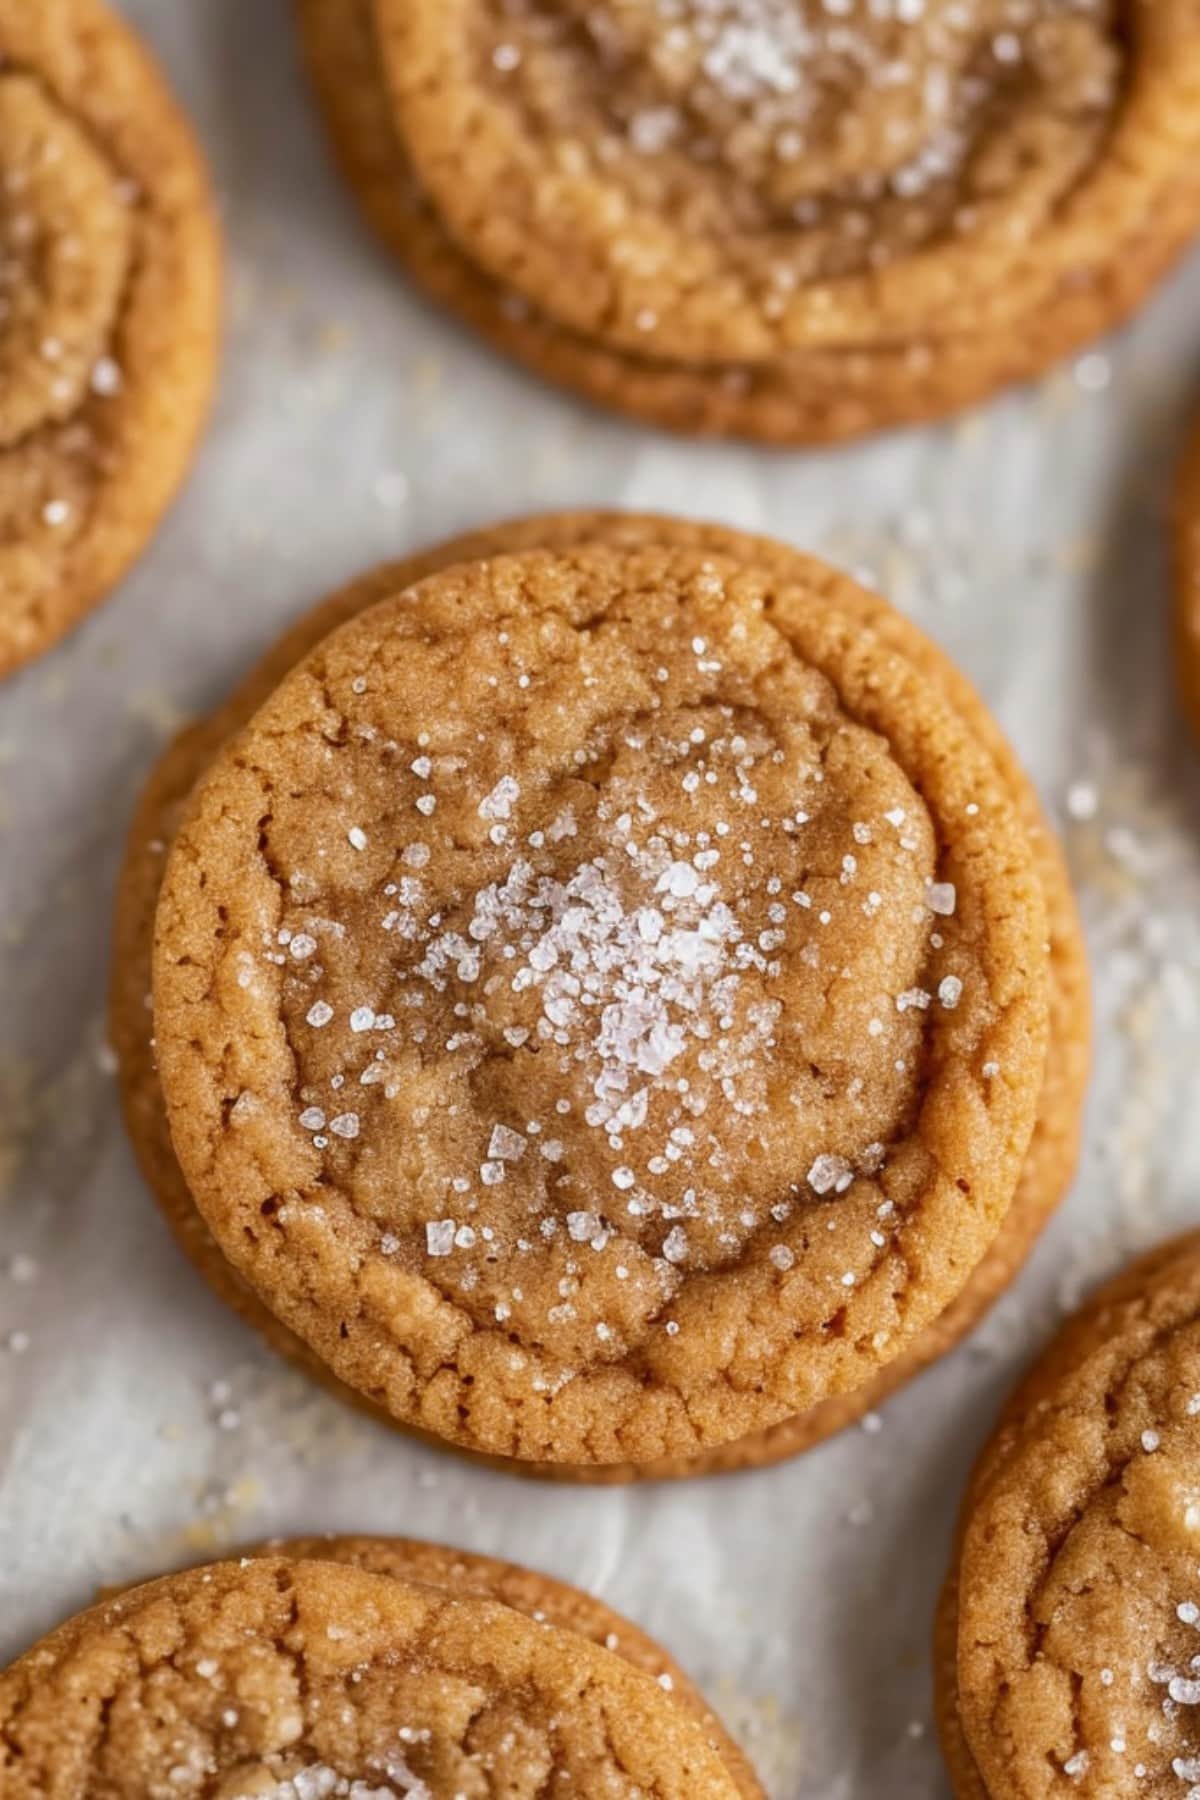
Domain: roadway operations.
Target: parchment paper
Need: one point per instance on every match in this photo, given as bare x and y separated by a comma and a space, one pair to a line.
140, 1425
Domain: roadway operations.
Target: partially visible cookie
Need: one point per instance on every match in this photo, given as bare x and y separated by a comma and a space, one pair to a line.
726, 223
109, 277
1187, 582
1052, 1153
1068, 1642
373, 1668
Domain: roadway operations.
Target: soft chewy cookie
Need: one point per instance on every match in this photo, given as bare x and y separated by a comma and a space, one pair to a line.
767, 219
1068, 1643
108, 310
1187, 582
360, 1667
601, 1002
1052, 1152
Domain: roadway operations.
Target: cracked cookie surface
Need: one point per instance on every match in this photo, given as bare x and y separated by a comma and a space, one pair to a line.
600, 1281
726, 219
1068, 1651
362, 1667
108, 310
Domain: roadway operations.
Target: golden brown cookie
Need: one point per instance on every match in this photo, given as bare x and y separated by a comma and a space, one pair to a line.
109, 284
601, 1002
729, 220
1187, 582
1067, 1650
366, 1667
1052, 1153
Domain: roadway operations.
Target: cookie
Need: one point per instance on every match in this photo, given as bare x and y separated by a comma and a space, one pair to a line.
1187, 582
1067, 1648
726, 221
541, 1134
109, 284
364, 1667
1052, 1153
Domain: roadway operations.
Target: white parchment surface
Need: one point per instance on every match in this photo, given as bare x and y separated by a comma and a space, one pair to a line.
141, 1425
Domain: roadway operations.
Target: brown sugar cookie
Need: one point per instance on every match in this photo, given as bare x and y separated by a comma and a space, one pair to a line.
727, 220
1052, 1153
358, 1667
600, 1002
108, 310
1187, 582
1067, 1654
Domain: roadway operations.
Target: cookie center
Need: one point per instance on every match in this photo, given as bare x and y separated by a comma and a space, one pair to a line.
610, 1007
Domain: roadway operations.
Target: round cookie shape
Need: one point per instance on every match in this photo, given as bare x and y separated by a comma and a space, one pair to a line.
1068, 1656
1053, 1150
108, 310
835, 383
1187, 582
367, 1668
667, 1037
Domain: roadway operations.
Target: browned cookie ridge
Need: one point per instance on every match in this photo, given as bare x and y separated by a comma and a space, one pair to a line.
1186, 639
372, 1668
601, 1002
108, 310
728, 218
1068, 1649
